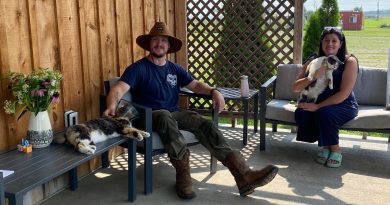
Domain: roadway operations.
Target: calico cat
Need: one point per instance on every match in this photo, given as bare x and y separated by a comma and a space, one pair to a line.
311, 92
84, 136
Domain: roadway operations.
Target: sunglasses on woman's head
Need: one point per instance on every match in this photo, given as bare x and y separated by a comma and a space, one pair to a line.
329, 29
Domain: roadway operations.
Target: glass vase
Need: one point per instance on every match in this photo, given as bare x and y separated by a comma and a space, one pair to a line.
39, 133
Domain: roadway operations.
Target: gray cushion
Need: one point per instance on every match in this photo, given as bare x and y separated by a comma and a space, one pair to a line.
286, 76
370, 86
157, 143
369, 117
281, 110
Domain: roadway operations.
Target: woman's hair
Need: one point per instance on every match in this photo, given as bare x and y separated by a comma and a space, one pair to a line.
342, 50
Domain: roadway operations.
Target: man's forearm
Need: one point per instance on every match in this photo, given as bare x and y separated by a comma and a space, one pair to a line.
202, 88
113, 97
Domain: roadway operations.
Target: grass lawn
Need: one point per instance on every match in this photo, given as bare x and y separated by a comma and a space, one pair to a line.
370, 45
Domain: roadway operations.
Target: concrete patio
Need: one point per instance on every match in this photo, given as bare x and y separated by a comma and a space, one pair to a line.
364, 177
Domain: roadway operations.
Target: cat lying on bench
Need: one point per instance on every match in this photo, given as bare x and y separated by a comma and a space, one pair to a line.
312, 91
84, 136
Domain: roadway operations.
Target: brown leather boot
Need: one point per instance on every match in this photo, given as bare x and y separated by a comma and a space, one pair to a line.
247, 179
184, 187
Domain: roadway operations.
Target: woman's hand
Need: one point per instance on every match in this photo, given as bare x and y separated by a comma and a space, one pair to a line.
320, 72
309, 106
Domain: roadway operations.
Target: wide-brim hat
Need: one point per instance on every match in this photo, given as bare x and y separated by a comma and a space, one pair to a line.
159, 29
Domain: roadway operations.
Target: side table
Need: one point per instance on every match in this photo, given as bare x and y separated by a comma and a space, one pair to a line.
235, 94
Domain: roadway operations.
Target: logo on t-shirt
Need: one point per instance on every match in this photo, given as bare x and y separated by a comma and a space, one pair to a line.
172, 79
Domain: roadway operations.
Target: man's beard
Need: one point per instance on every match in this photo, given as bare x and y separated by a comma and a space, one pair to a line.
157, 55
154, 54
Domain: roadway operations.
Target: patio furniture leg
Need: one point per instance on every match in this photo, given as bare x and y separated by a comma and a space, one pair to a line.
246, 110
263, 93
73, 179
15, 200
256, 112
365, 134
274, 127
388, 139
105, 161
148, 166
131, 171
2, 202
148, 156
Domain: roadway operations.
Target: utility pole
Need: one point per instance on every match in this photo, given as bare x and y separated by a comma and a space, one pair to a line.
377, 10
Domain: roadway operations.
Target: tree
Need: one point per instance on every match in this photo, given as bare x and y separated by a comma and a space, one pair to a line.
358, 8
326, 15
311, 39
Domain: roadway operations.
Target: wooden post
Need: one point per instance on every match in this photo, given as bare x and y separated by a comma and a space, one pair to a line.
388, 89
298, 31
388, 85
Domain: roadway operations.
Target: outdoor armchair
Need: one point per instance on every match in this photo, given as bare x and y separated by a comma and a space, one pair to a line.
152, 145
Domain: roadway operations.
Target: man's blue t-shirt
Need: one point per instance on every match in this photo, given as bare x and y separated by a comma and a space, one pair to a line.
156, 86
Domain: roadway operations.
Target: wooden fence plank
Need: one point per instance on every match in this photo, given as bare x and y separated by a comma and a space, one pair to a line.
45, 48
149, 15
124, 34
108, 39
170, 21
160, 14
16, 56
90, 44
4, 68
181, 31
70, 53
137, 23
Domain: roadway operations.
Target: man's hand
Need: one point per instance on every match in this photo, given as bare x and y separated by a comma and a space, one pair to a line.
218, 100
109, 112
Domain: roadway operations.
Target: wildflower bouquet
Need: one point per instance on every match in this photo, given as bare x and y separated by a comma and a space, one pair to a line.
33, 92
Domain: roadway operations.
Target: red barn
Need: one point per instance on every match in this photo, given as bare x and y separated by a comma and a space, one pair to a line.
351, 20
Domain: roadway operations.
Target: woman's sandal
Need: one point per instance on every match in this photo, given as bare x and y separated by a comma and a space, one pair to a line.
334, 160
323, 156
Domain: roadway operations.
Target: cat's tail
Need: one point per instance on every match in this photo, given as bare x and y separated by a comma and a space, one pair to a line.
59, 138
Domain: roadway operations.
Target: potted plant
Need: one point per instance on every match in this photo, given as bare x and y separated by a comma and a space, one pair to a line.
34, 93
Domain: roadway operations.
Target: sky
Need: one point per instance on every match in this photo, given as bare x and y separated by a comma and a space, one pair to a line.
368, 5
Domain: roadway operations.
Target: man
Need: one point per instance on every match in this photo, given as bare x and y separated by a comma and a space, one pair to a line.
155, 82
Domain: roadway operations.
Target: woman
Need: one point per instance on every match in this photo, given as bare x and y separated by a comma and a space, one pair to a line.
320, 121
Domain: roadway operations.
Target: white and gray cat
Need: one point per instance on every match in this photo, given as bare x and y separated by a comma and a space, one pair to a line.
311, 92
84, 136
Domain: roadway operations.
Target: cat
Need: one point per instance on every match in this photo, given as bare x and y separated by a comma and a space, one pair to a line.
311, 92
84, 136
